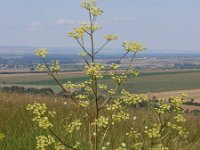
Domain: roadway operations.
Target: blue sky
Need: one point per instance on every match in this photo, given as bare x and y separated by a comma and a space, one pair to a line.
158, 24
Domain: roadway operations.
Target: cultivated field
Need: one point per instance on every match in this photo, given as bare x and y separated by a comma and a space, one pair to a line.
147, 82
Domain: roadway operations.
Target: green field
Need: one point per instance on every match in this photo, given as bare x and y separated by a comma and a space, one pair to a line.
146, 82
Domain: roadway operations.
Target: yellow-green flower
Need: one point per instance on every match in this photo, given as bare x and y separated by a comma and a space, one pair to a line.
95, 11
41, 67
101, 122
132, 46
43, 142
41, 52
110, 37
87, 4
77, 33
55, 66
73, 126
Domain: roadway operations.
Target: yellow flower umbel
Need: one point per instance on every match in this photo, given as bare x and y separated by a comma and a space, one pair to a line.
110, 37
90, 5
41, 115
43, 142
73, 126
132, 46
55, 66
69, 86
101, 122
153, 132
41, 52
94, 70
87, 27
41, 67
95, 11
77, 33
87, 4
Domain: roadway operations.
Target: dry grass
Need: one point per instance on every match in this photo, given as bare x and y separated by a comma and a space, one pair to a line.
21, 132
191, 94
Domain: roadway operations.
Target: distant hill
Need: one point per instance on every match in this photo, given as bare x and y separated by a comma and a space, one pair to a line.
29, 50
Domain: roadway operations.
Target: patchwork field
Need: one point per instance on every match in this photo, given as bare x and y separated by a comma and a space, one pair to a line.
147, 82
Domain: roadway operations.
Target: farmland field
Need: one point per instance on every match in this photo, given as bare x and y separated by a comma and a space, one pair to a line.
147, 82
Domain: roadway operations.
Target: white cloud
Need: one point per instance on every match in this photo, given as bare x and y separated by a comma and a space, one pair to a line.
35, 25
62, 21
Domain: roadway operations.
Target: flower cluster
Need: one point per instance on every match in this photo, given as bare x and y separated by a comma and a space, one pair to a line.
41, 67
43, 142
41, 52
178, 129
87, 4
133, 134
163, 106
179, 118
95, 11
94, 70
86, 27
77, 33
135, 73
55, 67
82, 96
110, 37
73, 126
69, 86
59, 146
132, 46
101, 121
90, 5
129, 98
119, 79
116, 105
84, 103
114, 66
153, 132
102, 86
121, 116
158, 147
41, 115
111, 92
176, 103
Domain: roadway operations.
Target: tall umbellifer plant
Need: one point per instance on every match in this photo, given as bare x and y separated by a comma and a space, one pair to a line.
103, 109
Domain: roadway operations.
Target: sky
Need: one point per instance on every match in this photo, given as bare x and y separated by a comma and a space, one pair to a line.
158, 24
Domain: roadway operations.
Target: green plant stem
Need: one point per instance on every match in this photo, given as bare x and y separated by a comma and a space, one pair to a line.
131, 62
83, 48
60, 140
109, 69
101, 47
94, 81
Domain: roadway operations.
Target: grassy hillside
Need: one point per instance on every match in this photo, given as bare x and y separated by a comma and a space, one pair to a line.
21, 132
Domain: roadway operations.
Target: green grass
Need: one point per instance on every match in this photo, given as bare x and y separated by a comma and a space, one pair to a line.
146, 82
20, 131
